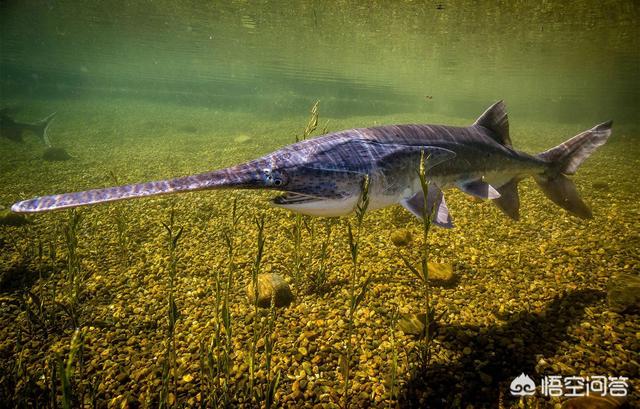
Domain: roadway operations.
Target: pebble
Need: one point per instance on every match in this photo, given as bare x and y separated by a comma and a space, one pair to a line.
401, 237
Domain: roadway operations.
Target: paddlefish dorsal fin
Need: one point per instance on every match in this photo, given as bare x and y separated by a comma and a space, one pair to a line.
496, 120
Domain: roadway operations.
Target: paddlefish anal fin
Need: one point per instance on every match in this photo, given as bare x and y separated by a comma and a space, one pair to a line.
509, 200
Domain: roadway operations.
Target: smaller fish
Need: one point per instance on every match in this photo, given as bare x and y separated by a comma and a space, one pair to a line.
11, 129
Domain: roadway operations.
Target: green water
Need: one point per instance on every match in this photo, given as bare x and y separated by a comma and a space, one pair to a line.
150, 90
554, 61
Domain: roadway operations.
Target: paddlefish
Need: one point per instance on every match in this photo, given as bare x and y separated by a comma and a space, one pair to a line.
323, 176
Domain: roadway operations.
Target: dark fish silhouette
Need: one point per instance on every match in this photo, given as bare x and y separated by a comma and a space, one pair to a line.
323, 176
13, 130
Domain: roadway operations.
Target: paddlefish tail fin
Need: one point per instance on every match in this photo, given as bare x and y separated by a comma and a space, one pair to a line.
41, 127
564, 160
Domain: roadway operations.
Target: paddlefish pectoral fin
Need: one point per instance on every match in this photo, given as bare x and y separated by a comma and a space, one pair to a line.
436, 206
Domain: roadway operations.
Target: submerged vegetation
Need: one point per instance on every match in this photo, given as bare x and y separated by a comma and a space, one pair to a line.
76, 275
120, 220
422, 272
357, 286
169, 391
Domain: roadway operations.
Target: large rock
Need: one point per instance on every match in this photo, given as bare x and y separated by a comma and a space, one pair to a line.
623, 292
270, 285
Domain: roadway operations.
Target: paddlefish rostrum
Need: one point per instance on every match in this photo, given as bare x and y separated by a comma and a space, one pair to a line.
324, 176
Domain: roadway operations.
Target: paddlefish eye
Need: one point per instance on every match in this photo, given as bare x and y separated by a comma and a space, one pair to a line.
275, 178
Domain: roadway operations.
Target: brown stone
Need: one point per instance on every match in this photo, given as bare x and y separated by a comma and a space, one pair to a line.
271, 285
401, 237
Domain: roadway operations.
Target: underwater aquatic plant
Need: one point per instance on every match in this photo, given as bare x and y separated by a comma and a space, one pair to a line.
53, 253
296, 236
66, 371
299, 221
208, 371
38, 315
393, 368
357, 287
272, 381
42, 310
76, 276
318, 276
120, 219
70, 232
265, 392
422, 273
19, 371
254, 279
312, 124
216, 357
169, 365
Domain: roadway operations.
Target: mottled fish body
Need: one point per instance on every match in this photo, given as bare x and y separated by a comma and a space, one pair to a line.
323, 176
